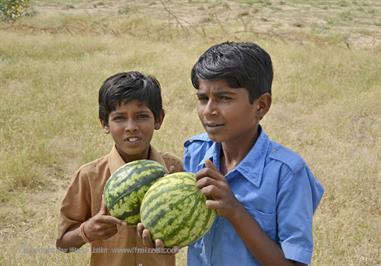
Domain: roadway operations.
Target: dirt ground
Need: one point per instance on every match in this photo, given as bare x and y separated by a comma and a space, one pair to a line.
357, 23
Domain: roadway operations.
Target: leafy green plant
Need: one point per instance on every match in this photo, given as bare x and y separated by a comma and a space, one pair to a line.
13, 9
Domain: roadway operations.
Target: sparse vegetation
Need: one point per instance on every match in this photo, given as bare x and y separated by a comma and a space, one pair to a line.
13, 9
326, 105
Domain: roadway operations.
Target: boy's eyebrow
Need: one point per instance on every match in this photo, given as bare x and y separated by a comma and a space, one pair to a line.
122, 113
227, 92
143, 112
116, 113
217, 93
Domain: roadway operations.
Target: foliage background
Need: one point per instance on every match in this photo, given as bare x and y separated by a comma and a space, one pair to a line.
13, 9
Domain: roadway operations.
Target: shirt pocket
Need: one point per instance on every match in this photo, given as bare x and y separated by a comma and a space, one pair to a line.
267, 221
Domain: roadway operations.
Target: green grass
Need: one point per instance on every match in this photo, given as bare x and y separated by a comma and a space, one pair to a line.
326, 106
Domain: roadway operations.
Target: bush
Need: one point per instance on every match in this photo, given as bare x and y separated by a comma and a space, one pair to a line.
13, 9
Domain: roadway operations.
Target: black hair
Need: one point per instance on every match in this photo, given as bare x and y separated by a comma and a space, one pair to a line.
127, 86
240, 64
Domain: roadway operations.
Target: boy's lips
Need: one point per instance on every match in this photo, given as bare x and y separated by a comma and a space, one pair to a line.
213, 126
132, 139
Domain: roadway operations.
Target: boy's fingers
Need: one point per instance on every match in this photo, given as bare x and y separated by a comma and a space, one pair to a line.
159, 243
175, 250
172, 169
206, 181
209, 164
108, 232
209, 172
108, 219
110, 235
212, 192
139, 229
213, 204
205, 172
147, 240
103, 207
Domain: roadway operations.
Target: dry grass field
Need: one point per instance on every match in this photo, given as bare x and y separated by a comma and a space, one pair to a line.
327, 104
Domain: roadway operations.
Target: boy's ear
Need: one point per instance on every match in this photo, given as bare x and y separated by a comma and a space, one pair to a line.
105, 127
263, 104
159, 121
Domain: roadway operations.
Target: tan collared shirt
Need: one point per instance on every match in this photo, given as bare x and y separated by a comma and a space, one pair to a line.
83, 200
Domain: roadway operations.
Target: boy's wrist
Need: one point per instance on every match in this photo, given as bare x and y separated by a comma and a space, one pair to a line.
237, 214
82, 233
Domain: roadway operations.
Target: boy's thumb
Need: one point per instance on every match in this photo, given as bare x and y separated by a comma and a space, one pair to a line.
209, 164
103, 209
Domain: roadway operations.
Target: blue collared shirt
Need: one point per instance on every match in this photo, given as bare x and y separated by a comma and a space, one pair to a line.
275, 186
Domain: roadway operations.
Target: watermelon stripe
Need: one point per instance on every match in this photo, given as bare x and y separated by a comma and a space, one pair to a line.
158, 199
142, 184
188, 217
207, 223
174, 210
190, 232
153, 220
170, 187
134, 175
119, 176
126, 187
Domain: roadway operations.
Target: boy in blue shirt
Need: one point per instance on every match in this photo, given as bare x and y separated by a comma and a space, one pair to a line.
265, 194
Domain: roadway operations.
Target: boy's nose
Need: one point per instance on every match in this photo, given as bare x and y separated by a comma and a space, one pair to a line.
210, 109
131, 126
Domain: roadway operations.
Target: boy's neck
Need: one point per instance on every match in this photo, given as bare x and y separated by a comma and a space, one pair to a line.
232, 153
129, 158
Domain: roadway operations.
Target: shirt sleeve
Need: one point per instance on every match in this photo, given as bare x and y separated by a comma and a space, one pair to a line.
298, 197
76, 206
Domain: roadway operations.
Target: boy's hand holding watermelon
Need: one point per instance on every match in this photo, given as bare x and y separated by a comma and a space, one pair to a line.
219, 195
101, 226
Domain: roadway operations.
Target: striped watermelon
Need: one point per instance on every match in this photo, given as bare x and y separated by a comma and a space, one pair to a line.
174, 210
125, 189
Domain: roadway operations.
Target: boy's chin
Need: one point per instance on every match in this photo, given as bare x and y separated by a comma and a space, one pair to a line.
215, 138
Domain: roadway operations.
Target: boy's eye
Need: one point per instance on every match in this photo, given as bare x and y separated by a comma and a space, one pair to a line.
225, 98
202, 98
118, 118
143, 116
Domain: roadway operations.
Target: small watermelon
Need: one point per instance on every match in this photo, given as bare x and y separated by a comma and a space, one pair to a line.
125, 189
174, 210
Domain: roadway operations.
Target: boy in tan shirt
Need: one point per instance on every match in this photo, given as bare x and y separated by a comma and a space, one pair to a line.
130, 109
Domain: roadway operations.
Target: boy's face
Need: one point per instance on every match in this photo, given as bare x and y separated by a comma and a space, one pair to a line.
226, 112
131, 126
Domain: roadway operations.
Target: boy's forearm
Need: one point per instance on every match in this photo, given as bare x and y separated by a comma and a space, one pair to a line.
265, 250
70, 240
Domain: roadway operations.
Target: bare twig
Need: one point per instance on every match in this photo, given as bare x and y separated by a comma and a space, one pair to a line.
180, 21
173, 15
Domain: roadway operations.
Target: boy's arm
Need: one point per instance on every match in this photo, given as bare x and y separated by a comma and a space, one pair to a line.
99, 227
220, 197
70, 240
260, 245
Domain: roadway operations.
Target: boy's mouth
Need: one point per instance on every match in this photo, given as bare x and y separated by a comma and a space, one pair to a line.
213, 124
132, 139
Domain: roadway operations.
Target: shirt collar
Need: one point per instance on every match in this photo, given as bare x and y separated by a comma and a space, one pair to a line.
212, 154
116, 161
252, 165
